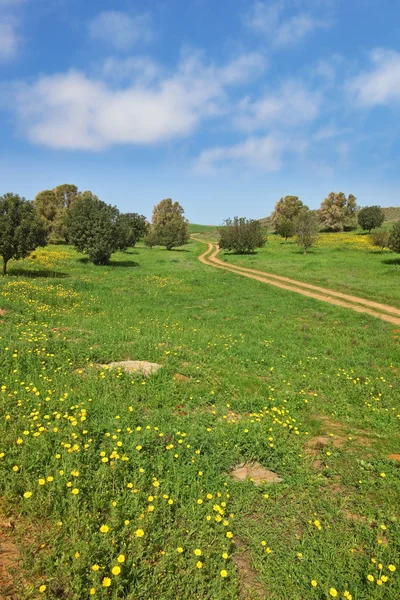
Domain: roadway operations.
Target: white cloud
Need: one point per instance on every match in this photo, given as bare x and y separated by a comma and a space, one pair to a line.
381, 84
121, 30
134, 68
72, 111
9, 39
269, 19
292, 105
265, 153
243, 69
330, 131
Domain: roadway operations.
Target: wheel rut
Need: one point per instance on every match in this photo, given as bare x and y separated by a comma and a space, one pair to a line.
385, 312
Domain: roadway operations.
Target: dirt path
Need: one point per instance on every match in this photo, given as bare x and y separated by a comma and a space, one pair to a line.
384, 312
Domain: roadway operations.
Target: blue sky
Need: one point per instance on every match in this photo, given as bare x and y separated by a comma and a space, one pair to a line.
222, 105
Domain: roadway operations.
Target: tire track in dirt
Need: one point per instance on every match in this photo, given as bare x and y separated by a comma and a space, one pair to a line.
385, 312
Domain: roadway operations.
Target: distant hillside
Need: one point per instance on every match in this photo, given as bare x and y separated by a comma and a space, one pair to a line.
193, 228
392, 213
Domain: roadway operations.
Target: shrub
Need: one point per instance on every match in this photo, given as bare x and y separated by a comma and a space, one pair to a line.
380, 238
306, 227
134, 228
21, 228
286, 228
394, 238
371, 217
94, 228
242, 235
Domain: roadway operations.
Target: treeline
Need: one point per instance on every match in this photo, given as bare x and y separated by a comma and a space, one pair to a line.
291, 217
92, 226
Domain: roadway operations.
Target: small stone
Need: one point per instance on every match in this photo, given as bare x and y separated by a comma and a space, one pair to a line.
255, 472
135, 366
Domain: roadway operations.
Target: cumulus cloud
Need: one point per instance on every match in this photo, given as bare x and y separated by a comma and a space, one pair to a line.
291, 105
281, 30
121, 30
264, 153
380, 85
73, 111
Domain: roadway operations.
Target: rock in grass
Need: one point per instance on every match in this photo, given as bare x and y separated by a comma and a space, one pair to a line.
135, 366
255, 473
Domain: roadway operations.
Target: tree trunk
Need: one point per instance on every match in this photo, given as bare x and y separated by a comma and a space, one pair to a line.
4, 266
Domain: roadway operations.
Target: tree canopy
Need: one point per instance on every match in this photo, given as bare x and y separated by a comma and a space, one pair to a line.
371, 217
134, 227
94, 228
169, 227
287, 208
21, 229
338, 212
306, 227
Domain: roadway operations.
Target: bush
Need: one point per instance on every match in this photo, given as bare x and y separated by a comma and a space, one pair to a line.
21, 229
371, 217
306, 227
242, 235
134, 228
286, 228
94, 228
380, 238
394, 238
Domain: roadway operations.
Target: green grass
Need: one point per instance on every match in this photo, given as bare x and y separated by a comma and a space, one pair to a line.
344, 262
289, 367
193, 228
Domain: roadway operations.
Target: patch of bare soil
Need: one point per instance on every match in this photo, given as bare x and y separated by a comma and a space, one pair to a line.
255, 472
353, 517
395, 457
384, 312
135, 366
10, 572
249, 583
180, 377
2, 312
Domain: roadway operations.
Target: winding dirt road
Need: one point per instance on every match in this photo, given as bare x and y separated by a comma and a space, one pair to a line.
375, 309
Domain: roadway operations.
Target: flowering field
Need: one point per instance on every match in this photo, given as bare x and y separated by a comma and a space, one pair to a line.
119, 486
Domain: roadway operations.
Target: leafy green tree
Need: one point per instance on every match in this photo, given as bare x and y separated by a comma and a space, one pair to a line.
134, 226
380, 238
370, 217
242, 235
94, 228
306, 227
394, 238
66, 194
21, 229
286, 228
46, 205
286, 208
169, 227
338, 212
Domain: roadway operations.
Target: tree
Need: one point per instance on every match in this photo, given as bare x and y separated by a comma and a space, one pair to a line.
370, 217
52, 206
94, 227
169, 227
394, 238
306, 227
286, 208
21, 229
242, 235
380, 238
286, 228
135, 227
338, 212
46, 206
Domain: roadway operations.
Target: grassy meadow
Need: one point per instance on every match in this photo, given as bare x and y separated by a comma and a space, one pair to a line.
119, 485
346, 262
